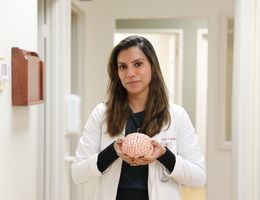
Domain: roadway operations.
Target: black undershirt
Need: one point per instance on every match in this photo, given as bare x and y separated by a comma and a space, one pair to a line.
132, 177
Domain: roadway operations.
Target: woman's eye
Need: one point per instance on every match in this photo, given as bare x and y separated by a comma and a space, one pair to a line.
122, 67
138, 64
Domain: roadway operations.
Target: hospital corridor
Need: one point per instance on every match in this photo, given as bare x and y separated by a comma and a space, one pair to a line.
54, 71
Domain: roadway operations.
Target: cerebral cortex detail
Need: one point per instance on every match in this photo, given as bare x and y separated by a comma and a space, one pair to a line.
137, 144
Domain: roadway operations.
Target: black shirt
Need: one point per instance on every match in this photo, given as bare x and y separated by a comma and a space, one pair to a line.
132, 177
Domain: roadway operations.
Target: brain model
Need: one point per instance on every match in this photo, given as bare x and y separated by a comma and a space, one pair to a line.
136, 145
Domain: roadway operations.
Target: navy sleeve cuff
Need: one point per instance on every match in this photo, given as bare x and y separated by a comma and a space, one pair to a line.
106, 157
168, 160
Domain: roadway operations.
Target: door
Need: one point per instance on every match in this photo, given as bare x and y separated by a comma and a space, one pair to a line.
62, 78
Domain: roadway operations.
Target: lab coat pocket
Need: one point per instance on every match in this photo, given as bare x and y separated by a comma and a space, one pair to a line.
163, 175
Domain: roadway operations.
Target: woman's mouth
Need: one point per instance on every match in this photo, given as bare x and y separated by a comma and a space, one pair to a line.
132, 82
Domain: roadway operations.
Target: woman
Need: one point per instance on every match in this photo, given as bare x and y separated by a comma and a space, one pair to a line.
138, 102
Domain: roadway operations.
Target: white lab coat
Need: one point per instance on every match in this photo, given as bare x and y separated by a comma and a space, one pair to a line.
180, 138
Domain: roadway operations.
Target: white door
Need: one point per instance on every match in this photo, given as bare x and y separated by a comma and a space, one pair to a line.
76, 85
62, 77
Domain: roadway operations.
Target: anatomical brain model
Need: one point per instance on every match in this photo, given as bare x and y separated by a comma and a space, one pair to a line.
137, 144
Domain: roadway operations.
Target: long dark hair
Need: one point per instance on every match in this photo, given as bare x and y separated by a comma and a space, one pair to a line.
157, 106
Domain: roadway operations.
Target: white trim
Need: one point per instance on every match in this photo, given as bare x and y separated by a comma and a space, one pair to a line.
179, 69
224, 144
175, 49
42, 146
48, 108
245, 104
257, 101
57, 77
201, 88
41, 112
80, 49
77, 67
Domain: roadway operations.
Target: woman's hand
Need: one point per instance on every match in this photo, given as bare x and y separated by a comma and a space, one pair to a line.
118, 148
158, 151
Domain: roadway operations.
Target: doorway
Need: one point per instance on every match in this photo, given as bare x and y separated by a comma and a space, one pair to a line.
76, 86
60, 33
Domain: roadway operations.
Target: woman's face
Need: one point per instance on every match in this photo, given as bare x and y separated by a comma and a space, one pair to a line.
134, 71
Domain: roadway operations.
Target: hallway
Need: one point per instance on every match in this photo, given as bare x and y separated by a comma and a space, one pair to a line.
209, 54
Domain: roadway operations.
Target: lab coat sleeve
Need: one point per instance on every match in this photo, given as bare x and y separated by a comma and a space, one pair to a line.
189, 167
84, 168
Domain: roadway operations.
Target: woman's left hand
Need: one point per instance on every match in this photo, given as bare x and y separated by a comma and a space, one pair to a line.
158, 151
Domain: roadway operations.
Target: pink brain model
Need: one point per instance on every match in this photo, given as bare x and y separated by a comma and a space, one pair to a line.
137, 144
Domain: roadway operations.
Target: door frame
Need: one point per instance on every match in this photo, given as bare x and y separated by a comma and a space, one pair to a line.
77, 70
44, 47
246, 101
201, 88
54, 42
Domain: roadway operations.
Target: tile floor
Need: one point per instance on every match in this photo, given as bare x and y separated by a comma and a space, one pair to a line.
193, 194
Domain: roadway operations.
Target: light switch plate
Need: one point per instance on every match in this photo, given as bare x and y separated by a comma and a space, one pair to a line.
4, 70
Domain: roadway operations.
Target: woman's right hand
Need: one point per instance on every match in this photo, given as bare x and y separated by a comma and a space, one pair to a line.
118, 148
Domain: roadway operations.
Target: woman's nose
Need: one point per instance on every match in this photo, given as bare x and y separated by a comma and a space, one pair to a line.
131, 71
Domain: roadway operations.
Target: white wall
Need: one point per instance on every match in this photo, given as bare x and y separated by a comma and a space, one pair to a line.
18, 125
100, 19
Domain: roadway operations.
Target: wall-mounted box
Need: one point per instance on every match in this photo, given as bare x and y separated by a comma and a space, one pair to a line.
27, 78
